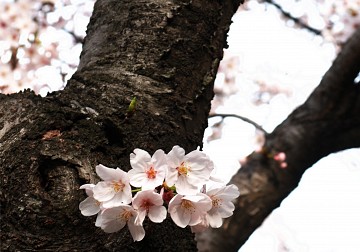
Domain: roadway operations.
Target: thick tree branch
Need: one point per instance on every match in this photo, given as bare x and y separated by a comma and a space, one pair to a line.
327, 122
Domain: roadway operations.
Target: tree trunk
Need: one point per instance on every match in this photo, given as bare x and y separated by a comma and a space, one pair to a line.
327, 122
164, 53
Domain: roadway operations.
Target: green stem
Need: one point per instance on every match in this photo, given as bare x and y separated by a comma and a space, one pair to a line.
136, 190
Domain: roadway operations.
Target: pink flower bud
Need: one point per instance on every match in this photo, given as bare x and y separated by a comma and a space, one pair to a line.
283, 165
281, 156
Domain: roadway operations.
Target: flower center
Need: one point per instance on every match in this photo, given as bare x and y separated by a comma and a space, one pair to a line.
118, 185
146, 205
183, 169
151, 173
126, 215
187, 205
215, 201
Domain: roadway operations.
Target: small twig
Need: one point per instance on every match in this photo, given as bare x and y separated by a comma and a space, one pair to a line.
257, 126
296, 20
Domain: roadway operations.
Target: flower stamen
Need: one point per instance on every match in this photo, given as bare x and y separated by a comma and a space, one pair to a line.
216, 202
118, 186
146, 205
151, 173
188, 205
183, 169
126, 215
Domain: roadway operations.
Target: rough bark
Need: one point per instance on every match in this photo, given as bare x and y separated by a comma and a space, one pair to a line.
327, 122
166, 54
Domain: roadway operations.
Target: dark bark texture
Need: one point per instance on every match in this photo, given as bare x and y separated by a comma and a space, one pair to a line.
164, 53
327, 122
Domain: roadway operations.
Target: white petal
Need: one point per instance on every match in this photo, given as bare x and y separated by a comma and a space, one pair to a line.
98, 221
112, 226
88, 189
180, 217
87, 186
159, 159
159, 155
214, 220
127, 195
151, 184
137, 231
217, 180
196, 198
202, 204
156, 199
111, 222
176, 200
177, 213
197, 159
175, 156
171, 177
89, 206
230, 192
120, 198
140, 159
226, 210
137, 179
103, 191
140, 218
205, 204
183, 186
105, 173
157, 213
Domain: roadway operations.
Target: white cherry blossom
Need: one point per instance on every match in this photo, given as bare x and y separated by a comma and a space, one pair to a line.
222, 207
188, 172
115, 190
149, 203
114, 219
189, 210
148, 172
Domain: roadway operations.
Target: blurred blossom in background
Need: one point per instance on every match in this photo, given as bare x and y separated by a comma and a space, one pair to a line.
278, 52
40, 43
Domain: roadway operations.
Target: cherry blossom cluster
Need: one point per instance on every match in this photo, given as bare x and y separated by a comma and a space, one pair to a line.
158, 185
40, 43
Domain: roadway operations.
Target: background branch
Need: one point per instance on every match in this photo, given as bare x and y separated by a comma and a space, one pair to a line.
298, 21
245, 119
